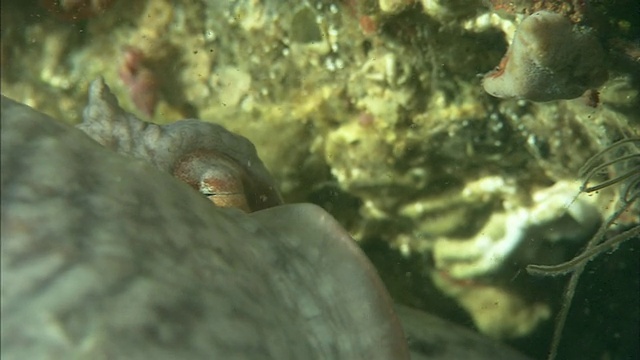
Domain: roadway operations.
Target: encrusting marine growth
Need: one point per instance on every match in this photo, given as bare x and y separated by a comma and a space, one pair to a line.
549, 59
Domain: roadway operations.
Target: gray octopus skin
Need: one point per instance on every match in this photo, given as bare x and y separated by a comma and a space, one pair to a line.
106, 257
168, 147
99, 264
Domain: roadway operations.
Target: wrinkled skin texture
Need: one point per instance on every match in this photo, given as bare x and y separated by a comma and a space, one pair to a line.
105, 256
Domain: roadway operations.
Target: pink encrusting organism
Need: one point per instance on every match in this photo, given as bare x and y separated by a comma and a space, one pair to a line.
549, 59
140, 80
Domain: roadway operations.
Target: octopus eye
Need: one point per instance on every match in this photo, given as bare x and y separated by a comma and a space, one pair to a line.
216, 176
224, 187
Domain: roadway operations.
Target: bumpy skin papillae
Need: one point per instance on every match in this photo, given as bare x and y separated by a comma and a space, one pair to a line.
104, 256
167, 146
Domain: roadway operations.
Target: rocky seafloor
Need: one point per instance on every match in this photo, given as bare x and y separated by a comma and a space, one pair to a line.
375, 111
